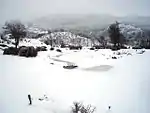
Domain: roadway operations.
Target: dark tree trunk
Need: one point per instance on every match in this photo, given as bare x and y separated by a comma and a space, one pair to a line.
16, 42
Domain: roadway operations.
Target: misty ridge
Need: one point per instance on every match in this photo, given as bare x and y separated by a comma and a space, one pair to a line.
88, 29
89, 21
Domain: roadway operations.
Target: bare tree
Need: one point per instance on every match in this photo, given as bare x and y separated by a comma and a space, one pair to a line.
87, 109
16, 30
77, 106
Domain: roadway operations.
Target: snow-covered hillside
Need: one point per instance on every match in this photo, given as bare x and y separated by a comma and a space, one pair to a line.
130, 31
67, 38
36, 29
70, 38
99, 80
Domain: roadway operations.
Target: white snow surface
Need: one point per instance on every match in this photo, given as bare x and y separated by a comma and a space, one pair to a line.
124, 86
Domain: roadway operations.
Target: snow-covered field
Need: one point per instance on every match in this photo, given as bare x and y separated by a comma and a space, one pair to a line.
99, 80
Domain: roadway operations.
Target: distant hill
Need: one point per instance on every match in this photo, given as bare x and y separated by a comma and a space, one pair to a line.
89, 21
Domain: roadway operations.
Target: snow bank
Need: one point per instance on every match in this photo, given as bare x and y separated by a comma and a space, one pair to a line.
125, 87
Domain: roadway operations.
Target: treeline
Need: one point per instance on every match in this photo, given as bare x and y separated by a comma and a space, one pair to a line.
17, 31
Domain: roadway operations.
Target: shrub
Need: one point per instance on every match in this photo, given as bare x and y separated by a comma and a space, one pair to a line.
10, 51
43, 48
114, 57
63, 46
46, 42
136, 47
70, 67
28, 51
58, 50
51, 48
92, 48
115, 48
79, 107
75, 47
20, 47
3, 45
99, 47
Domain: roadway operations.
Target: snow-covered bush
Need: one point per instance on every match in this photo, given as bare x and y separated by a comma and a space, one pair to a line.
70, 67
58, 50
92, 48
115, 48
16, 30
27, 51
51, 48
43, 48
10, 51
114, 57
3, 45
98, 47
75, 47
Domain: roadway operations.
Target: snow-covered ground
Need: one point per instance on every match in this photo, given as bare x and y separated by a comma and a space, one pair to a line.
99, 80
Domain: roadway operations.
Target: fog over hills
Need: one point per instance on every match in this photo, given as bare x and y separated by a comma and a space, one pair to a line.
89, 21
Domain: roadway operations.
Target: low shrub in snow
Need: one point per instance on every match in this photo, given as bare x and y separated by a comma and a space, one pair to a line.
43, 48
21, 47
92, 48
75, 47
70, 67
99, 47
10, 51
3, 45
46, 42
27, 52
136, 47
114, 57
115, 48
79, 107
63, 46
51, 48
58, 50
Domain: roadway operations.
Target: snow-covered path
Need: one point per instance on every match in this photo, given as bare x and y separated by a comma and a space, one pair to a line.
125, 87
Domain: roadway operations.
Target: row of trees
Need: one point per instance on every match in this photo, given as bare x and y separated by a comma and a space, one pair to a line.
17, 31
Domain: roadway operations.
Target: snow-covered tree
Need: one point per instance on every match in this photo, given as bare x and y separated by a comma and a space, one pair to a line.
16, 30
114, 33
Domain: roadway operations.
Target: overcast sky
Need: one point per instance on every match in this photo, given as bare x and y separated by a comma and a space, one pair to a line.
31, 9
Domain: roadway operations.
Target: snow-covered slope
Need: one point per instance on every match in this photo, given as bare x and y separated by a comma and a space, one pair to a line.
124, 86
36, 29
67, 38
130, 31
